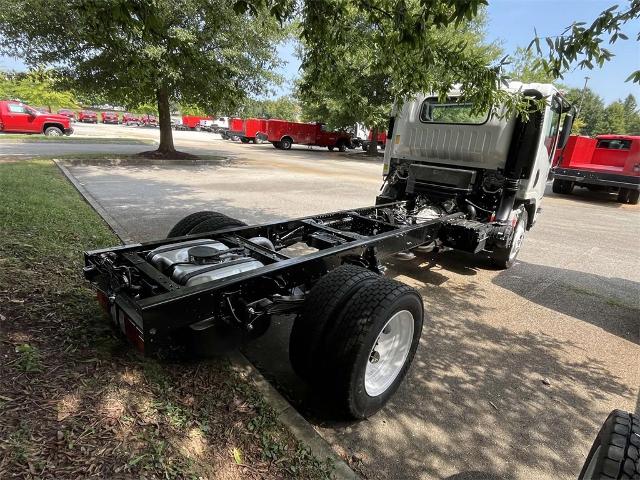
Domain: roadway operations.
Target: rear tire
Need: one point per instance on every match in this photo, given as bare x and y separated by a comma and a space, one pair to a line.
342, 147
184, 226
321, 308
372, 346
285, 144
634, 197
623, 195
244, 139
217, 222
563, 187
330, 149
505, 257
615, 453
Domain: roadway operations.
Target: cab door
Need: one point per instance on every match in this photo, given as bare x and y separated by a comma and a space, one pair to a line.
18, 119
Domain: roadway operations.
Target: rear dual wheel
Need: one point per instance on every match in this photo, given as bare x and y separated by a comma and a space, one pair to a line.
356, 338
563, 187
201, 222
626, 195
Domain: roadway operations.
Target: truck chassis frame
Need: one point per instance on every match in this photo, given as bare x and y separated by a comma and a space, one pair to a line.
358, 236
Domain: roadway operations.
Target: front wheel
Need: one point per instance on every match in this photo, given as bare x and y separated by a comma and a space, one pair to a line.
53, 132
505, 257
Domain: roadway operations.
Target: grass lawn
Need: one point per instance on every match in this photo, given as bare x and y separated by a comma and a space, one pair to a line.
75, 401
20, 138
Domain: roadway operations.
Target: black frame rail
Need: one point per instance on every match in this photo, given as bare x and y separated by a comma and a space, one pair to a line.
362, 236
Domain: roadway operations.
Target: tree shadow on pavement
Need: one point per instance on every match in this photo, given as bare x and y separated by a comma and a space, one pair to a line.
612, 304
484, 399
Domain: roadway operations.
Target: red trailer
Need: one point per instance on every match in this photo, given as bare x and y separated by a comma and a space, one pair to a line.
236, 129
607, 162
283, 134
254, 130
194, 122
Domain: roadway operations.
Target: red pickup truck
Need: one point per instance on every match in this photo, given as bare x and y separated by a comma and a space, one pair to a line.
283, 134
131, 119
110, 117
70, 114
16, 117
88, 116
607, 162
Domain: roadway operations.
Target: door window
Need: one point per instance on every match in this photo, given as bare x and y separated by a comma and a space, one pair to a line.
553, 126
14, 108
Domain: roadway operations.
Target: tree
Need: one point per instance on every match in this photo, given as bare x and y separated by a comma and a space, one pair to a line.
592, 110
631, 115
528, 67
135, 52
39, 88
362, 76
613, 120
583, 44
285, 108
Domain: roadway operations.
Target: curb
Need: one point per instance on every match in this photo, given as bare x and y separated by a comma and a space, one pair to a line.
113, 224
288, 415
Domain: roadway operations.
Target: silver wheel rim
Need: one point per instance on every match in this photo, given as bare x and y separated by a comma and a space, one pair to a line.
53, 133
518, 237
389, 353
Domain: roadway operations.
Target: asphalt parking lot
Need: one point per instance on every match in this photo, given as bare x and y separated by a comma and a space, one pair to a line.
516, 369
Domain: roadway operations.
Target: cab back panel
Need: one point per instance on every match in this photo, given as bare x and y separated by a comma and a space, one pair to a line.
476, 146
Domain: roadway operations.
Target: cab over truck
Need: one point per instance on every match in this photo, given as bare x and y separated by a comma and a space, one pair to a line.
607, 162
16, 117
215, 282
283, 134
235, 131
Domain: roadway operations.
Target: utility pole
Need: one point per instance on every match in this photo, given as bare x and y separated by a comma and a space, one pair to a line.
586, 79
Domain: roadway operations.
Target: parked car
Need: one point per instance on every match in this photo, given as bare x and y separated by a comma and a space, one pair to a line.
110, 117
607, 162
88, 116
70, 114
149, 120
131, 119
283, 134
16, 117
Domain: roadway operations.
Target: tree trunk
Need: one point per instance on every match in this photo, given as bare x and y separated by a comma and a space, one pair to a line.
372, 148
164, 113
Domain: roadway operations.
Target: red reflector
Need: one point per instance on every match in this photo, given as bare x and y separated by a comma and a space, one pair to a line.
133, 333
103, 301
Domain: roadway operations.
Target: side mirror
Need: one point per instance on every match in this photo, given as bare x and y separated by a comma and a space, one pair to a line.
566, 128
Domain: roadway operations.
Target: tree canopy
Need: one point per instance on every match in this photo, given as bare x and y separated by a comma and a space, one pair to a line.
197, 52
38, 88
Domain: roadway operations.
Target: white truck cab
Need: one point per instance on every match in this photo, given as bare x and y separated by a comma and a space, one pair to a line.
445, 157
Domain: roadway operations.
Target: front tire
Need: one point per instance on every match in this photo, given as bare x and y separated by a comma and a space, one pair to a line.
372, 346
215, 222
53, 132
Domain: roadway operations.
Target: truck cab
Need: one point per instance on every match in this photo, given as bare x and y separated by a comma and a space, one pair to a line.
16, 117
444, 157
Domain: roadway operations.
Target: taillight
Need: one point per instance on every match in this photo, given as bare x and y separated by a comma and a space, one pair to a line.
134, 334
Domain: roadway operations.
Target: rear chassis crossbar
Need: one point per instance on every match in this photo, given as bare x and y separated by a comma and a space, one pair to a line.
348, 236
